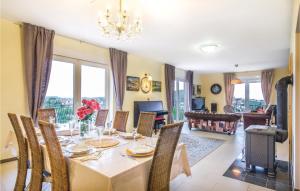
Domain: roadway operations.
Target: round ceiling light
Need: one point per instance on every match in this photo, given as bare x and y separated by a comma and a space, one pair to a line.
209, 48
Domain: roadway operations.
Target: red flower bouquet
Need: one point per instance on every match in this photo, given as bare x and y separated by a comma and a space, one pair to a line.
88, 109
85, 113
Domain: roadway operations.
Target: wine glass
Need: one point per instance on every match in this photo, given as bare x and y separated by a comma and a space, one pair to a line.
134, 134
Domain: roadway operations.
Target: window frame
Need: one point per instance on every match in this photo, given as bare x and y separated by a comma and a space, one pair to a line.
176, 91
247, 90
77, 63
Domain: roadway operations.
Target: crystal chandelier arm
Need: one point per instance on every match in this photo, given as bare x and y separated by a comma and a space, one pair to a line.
120, 6
121, 26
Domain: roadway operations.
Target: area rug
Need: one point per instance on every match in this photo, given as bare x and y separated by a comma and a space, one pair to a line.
199, 147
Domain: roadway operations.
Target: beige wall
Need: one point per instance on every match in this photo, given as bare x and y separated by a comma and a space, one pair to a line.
13, 89
296, 114
13, 92
138, 66
206, 80
278, 74
295, 51
76, 49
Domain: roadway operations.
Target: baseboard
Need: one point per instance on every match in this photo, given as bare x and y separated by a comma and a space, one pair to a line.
8, 160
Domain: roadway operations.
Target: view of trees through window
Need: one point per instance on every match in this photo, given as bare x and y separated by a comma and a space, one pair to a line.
179, 100
60, 93
248, 97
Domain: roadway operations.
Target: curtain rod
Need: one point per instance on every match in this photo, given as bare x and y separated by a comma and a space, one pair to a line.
78, 59
80, 41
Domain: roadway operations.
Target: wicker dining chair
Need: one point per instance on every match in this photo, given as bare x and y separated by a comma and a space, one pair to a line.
23, 153
120, 120
44, 114
58, 164
146, 123
37, 161
160, 170
101, 117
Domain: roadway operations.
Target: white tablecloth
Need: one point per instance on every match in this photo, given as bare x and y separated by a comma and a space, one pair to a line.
114, 172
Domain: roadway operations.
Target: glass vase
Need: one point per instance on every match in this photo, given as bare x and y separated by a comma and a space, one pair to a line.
84, 129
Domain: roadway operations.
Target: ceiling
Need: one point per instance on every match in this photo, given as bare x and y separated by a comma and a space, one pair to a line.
252, 33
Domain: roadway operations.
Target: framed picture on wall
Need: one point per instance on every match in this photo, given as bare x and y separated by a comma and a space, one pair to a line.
194, 90
156, 86
198, 90
132, 83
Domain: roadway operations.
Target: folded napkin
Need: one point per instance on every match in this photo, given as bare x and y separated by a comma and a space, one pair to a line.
94, 156
76, 155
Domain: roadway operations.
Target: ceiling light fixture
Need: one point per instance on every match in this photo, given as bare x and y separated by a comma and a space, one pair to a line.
236, 80
209, 48
119, 26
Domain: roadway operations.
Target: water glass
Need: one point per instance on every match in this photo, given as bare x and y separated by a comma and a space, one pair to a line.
51, 119
109, 128
90, 127
134, 133
100, 130
72, 127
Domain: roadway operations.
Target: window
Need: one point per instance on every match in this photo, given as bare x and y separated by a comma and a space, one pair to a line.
248, 96
179, 100
71, 81
239, 97
93, 84
60, 90
256, 99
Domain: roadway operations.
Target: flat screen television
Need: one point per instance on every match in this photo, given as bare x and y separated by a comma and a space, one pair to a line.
198, 103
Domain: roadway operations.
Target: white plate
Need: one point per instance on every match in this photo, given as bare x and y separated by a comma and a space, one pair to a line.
111, 131
141, 149
78, 149
129, 135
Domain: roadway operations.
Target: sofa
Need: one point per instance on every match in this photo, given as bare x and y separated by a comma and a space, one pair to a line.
222, 123
259, 118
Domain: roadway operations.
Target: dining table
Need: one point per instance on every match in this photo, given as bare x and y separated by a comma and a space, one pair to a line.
113, 169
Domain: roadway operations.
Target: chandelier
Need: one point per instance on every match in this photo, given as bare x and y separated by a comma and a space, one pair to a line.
119, 25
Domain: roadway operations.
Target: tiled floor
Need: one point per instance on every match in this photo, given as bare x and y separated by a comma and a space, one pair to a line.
259, 177
207, 174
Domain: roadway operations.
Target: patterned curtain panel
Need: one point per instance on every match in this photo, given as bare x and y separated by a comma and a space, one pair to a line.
229, 88
118, 61
266, 84
38, 50
169, 80
189, 78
